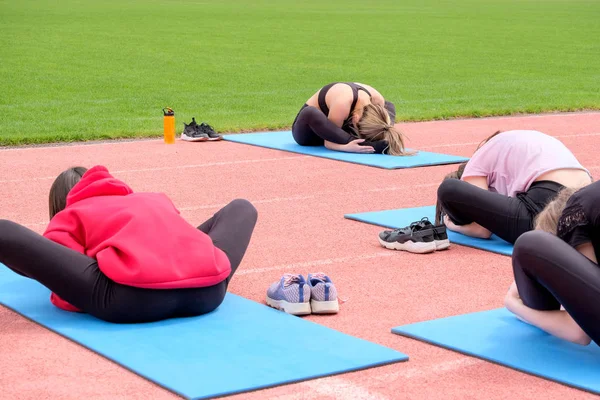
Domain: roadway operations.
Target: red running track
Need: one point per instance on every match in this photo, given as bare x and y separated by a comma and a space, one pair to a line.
301, 202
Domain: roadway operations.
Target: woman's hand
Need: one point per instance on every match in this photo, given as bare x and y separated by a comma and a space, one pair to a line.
513, 302
355, 147
449, 224
512, 297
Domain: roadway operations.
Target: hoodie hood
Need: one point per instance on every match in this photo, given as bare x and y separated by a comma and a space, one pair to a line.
96, 182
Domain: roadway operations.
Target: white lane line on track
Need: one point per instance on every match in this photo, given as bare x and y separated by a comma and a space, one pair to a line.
317, 263
343, 388
175, 167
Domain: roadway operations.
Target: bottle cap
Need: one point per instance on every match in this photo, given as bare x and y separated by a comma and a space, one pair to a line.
168, 111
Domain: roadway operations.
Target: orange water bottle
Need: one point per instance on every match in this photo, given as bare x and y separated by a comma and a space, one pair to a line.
169, 125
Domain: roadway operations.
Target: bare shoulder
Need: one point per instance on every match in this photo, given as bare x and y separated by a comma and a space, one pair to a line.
339, 91
375, 95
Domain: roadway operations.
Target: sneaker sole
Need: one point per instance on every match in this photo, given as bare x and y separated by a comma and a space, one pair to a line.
325, 307
215, 139
442, 244
411, 247
290, 308
191, 139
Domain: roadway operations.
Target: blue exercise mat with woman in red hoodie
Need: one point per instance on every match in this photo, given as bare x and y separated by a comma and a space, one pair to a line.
127, 257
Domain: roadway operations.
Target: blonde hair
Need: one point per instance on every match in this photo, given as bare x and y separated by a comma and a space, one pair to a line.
376, 124
547, 220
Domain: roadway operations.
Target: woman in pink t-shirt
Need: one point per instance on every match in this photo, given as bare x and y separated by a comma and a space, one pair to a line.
511, 177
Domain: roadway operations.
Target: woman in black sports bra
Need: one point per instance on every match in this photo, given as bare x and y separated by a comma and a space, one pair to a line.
350, 117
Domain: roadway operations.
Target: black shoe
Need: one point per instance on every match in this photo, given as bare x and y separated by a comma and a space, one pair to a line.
210, 132
409, 239
192, 133
440, 235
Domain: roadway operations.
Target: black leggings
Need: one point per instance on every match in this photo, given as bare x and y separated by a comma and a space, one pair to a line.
312, 127
507, 217
550, 273
76, 278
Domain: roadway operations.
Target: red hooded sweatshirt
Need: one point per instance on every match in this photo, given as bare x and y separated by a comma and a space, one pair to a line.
138, 239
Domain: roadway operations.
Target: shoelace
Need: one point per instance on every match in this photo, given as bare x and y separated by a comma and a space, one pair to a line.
413, 225
207, 126
290, 279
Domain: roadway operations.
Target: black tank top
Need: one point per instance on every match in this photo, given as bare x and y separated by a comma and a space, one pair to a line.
355, 88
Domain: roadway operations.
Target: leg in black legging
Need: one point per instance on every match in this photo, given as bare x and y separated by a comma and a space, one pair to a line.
391, 109
231, 229
312, 128
77, 279
549, 272
507, 217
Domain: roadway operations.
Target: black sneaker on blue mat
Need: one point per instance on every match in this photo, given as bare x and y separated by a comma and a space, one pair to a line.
411, 239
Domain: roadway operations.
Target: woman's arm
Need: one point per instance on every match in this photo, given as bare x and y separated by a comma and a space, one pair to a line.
64, 229
556, 322
352, 147
473, 229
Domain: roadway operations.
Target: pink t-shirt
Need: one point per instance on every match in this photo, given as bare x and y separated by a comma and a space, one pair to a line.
513, 160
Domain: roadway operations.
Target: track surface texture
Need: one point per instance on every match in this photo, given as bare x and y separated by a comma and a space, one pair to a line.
301, 201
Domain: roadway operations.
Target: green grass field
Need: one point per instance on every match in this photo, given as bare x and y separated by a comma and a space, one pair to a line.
84, 69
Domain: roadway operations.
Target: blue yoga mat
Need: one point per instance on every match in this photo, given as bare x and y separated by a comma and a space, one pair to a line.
284, 141
241, 346
498, 336
395, 219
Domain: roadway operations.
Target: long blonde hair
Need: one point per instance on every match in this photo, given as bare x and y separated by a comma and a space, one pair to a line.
547, 220
376, 124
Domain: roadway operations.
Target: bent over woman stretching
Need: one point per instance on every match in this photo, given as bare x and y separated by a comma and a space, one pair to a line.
350, 117
511, 177
557, 264
127, 257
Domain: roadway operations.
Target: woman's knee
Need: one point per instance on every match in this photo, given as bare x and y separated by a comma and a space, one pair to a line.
307, 116
533, 248
9, 231
244, 208
7, 226
529, 243
448, 190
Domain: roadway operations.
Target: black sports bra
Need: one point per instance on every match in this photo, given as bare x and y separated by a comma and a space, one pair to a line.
355, 89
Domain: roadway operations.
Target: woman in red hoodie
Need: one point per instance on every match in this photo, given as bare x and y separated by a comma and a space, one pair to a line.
128, 257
